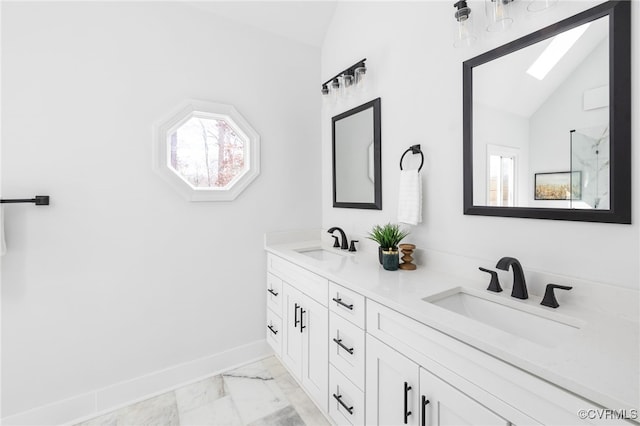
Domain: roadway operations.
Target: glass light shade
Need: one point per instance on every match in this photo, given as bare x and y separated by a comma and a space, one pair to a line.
360, 76
334, 89
498, 15
540, 5
348, 80
347, 84
464, 34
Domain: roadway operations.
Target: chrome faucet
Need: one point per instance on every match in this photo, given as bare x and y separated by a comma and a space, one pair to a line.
345, 244
519, 289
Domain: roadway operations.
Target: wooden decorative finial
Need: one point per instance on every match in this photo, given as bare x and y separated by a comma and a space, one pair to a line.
407, 251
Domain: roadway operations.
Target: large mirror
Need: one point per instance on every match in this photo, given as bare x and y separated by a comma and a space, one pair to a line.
547, 122
356, 158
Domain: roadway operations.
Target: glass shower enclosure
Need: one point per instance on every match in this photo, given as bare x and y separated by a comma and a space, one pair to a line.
590, 167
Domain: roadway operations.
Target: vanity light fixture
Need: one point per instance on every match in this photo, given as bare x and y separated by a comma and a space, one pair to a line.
346, 80
552, 54
464, 34
498, 14
497, 17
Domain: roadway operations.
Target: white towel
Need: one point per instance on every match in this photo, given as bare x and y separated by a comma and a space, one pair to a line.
410, 197
3, 246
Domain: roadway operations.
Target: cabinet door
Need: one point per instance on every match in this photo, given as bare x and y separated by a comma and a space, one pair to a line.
291, 336
444, 405
392, 382
315, 350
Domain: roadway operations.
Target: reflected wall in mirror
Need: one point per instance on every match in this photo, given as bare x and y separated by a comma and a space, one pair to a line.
555, 103
356, 158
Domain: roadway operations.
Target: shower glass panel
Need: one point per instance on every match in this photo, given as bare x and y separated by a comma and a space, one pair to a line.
590, 167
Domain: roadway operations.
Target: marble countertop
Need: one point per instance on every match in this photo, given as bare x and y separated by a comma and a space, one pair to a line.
600, 361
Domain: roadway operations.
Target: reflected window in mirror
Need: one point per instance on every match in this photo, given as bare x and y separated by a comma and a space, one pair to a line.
542, 104
356, 157
501, 176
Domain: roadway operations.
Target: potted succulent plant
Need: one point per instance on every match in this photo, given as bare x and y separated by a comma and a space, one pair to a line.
388, 236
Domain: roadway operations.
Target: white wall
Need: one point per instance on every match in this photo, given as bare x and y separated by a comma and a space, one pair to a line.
120, 276
418, 74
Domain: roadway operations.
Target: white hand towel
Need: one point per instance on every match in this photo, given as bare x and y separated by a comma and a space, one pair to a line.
410, 197
3, 246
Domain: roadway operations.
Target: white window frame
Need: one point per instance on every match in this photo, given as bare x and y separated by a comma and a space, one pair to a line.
503, 151
165, 127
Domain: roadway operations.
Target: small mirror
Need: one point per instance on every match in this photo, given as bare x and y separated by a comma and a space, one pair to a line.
356, 158
547, 122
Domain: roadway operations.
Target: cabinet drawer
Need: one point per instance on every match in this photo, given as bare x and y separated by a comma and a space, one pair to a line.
342, 390
347, 303
346, 348
274, 294
309, 283
274, 331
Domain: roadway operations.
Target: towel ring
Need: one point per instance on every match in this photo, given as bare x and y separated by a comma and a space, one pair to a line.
415, 149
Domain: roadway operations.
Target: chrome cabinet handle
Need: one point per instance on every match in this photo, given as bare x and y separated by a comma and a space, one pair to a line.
346, 407
339, 342
341, 303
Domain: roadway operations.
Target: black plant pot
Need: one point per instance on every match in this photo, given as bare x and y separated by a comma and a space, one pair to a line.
380, 253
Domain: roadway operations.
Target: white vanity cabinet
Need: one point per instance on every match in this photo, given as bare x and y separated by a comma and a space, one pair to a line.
365, 363
346, 356
305, 327
468, 380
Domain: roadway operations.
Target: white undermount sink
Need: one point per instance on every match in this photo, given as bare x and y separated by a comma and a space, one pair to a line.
525, 321
320, 253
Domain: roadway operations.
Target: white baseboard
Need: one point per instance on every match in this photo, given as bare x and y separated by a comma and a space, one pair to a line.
101, 401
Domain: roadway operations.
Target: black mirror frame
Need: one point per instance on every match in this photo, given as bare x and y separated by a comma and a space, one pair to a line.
377, 161
619, 13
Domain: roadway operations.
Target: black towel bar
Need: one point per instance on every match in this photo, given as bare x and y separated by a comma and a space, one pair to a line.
39, 200
415, 149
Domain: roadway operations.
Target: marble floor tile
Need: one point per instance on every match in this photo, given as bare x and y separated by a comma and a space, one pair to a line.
221, 412
274, 366
200, 393
285, 417
259, 394
307, 410
159, 411
254, 392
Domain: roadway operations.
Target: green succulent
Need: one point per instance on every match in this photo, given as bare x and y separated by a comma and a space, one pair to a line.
388, 236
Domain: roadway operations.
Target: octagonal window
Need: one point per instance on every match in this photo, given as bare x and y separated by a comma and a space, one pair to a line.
206, 151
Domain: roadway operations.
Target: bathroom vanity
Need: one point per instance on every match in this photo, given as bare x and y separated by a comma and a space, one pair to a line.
371, 346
